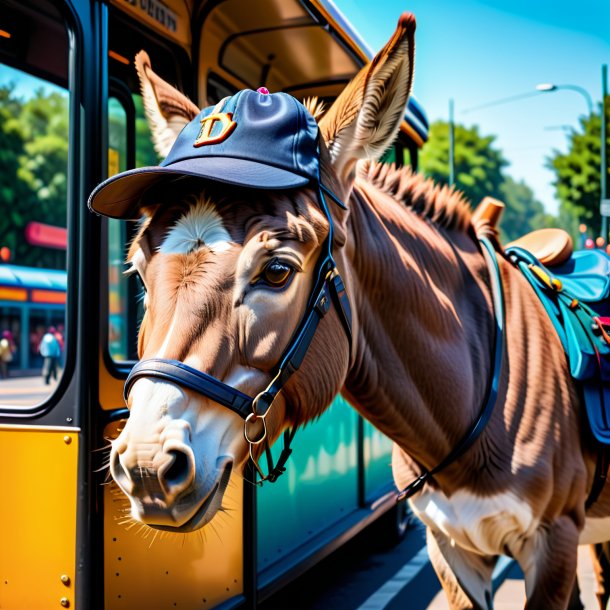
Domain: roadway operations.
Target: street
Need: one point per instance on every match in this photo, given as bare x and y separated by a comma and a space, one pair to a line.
365, 576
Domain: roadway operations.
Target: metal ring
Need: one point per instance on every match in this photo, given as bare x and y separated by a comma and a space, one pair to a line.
252, 417
258, 397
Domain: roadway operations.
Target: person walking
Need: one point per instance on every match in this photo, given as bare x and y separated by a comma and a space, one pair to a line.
7, 348
50, 350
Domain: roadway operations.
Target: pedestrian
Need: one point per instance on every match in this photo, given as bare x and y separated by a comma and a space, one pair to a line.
50, 350
59, 335
7, 348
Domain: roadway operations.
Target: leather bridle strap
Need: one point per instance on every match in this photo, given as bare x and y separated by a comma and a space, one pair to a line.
188, 377
493, 383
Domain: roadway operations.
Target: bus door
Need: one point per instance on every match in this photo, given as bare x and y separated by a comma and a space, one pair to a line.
143, 567
40, 424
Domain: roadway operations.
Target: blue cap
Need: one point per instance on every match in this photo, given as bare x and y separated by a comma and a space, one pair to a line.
252, 139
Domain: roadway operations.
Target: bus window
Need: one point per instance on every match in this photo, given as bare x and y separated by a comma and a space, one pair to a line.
34, 126
125, 309
117, 284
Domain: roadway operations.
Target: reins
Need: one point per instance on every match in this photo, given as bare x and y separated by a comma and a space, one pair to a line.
491, 392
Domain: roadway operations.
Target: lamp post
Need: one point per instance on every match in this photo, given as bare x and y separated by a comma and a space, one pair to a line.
549, 87
604, 201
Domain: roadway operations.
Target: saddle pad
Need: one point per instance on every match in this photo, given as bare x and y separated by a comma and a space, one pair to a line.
597, 404
585, 278
586, 275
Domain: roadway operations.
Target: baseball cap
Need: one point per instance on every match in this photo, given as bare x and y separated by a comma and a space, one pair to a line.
253, 139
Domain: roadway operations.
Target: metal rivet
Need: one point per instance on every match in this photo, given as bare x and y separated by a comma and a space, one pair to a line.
67, 439
65, 602
65, 579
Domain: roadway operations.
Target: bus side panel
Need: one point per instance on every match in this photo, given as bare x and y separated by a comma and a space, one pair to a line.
38, 482
377, 462
319, 487
149, 568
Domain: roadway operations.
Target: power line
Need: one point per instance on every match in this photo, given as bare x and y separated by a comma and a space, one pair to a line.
503, 100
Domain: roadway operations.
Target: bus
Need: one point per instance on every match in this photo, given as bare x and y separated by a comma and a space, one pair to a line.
70, 115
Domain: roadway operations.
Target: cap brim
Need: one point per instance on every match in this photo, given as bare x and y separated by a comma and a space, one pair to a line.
120, 196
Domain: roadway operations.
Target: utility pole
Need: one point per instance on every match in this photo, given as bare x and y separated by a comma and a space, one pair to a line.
451, 145
605, 201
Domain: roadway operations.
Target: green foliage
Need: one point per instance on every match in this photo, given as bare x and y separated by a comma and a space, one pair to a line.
577, 174
479, 172
33, 166
523, 212
478, 165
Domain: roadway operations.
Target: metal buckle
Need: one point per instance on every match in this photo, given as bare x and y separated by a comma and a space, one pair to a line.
251, 419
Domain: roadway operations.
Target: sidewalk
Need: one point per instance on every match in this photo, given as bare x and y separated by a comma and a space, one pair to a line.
25, 391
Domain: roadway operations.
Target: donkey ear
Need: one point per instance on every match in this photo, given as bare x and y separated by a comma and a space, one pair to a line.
167, 110
365, 118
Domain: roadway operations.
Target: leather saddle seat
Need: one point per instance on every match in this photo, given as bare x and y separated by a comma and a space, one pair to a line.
585, 274
550, 246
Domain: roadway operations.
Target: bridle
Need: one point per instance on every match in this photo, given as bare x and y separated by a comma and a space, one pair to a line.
328, 289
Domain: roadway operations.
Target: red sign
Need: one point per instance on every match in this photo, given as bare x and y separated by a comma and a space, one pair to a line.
39, 234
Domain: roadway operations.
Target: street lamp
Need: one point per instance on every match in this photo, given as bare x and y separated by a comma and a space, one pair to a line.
549, 87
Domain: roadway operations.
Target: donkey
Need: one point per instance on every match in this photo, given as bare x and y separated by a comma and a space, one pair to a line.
228, 273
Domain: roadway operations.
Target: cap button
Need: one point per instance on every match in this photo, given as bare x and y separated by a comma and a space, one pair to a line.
263, 90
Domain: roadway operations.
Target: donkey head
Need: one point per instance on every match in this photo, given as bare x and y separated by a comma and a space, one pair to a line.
228, 272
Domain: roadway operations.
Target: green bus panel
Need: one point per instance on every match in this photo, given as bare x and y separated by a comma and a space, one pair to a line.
377, 462
319, 487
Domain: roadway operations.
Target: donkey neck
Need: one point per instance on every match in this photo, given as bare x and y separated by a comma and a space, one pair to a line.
425, 324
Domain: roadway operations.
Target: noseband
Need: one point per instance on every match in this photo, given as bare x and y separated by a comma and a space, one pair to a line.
328, 289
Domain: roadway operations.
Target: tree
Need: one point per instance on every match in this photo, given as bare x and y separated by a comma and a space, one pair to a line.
523, 212
577, 173
479, 172
478, 165
33, 167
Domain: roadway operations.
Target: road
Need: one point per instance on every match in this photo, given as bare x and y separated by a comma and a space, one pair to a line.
366, 576
24, 391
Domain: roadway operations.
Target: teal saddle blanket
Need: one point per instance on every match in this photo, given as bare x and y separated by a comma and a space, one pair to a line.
576, 295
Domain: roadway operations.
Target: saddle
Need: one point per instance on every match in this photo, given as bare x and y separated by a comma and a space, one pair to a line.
574, 288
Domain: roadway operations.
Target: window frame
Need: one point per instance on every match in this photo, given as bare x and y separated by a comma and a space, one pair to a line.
55, 403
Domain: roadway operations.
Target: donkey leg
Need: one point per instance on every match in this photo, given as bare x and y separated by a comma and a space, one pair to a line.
465, 576
575, 602
600, 554
549, 565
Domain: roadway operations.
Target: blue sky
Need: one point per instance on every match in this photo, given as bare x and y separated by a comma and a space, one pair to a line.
477, 51
25, 84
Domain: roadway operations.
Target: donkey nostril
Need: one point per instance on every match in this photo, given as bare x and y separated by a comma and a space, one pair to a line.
179, 471
119, 473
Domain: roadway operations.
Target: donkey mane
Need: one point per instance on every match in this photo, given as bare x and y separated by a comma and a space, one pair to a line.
443, 205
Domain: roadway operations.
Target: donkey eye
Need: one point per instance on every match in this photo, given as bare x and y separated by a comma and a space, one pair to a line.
276, 273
